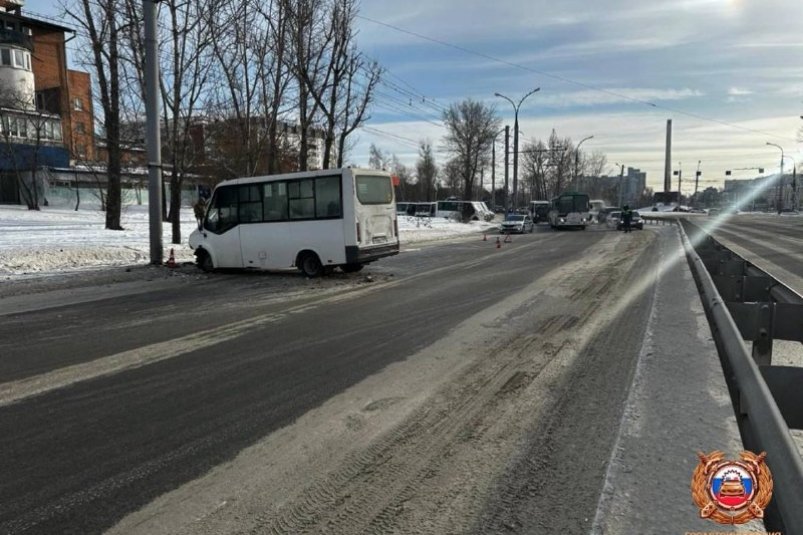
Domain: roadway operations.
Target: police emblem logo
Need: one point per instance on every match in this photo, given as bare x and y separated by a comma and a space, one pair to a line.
731, 492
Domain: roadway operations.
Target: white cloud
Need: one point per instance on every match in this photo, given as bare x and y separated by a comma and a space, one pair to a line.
739, 92
614, 95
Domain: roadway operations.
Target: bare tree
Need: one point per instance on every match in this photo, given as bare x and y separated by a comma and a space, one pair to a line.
535, 159
471, 127
239, 42
337, 86
278, 78
427, 170
376, 158
311, 36
595, 164
98, 21
560, 170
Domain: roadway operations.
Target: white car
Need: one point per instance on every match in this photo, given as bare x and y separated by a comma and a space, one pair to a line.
519, 223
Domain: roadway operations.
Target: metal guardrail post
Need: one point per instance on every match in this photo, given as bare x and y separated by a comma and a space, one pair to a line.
761, 423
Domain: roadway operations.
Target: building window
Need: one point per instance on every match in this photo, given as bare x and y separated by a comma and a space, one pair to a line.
80, 128
18, 61
77, 104
5, 56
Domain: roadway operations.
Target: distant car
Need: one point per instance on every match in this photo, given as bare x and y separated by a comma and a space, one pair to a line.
604, 213
713, 211
612, 219
519, 223
635, 222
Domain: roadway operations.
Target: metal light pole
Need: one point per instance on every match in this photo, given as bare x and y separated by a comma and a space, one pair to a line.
516, 141
507, 153
154, 145
577, 159
780, 178
697, 181
679, 174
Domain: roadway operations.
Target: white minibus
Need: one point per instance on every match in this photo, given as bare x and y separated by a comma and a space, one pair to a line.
314, 221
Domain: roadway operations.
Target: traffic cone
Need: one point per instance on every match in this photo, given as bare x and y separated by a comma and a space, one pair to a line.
498, 243
171, 261
508, 239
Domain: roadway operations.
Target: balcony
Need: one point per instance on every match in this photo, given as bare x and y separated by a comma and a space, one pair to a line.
11, 37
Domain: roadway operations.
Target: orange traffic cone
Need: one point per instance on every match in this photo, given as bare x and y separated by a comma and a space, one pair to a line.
171, 261
498, 243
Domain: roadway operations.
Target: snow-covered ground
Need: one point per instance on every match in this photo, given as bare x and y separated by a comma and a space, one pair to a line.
58, 240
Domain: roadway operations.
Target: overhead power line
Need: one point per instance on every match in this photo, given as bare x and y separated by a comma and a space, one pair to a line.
569, 80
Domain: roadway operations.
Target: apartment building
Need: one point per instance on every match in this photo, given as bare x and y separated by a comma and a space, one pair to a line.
46, 115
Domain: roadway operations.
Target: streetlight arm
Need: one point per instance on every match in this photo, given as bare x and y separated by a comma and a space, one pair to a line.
537, 89
506, 98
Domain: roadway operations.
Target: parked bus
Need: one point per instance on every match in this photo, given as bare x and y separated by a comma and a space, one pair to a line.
314, 221
539, 211
474, 210
570, 210
425, 209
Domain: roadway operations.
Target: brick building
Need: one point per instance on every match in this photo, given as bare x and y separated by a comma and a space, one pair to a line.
46, 115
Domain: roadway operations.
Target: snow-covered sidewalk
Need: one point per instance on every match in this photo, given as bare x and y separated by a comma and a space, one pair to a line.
59, 240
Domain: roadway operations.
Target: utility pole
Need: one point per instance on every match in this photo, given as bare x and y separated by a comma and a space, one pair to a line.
154, 145
668, 158
493, 175
621, 179
697, 181
507, 152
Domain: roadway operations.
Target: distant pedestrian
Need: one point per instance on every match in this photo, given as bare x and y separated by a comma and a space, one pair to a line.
627, 218
200, 210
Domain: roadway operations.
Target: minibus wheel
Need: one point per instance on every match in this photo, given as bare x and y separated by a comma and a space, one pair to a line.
204, 261
311, 265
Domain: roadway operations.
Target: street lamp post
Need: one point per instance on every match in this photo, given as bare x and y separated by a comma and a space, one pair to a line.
780, 178
577, 159
516, 141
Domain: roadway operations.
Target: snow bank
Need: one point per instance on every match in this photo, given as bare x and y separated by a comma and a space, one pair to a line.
57, 240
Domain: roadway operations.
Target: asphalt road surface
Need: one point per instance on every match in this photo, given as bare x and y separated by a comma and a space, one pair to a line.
411, 397
774, 243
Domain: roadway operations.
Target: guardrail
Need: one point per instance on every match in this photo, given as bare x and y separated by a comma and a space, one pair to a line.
658, 220
743, 302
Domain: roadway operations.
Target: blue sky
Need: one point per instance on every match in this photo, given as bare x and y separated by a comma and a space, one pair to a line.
614, 69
